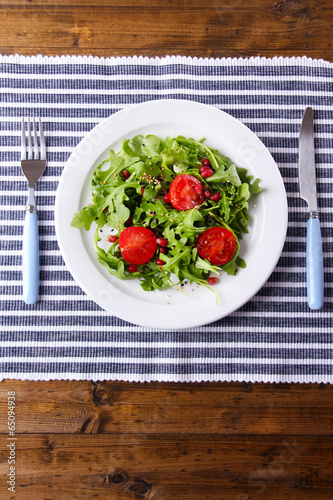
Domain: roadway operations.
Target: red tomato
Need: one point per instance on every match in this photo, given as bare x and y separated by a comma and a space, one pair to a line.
186, 192
137, 244
217, 244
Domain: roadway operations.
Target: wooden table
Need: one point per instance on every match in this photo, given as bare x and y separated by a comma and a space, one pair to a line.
116, 440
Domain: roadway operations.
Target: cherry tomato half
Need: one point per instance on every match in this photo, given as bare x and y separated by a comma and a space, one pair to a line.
137, 244
217, 244
186, 192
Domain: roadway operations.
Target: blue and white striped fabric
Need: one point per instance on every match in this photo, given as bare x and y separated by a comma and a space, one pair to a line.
275, 337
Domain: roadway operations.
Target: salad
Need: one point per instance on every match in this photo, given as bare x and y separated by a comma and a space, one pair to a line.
175, 210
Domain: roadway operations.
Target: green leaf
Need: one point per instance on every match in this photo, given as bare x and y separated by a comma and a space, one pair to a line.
222, 175
86, 216
206, 265
118, 213
254, 187
153, 163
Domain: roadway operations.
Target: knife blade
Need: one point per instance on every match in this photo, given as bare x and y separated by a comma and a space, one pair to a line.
308, 192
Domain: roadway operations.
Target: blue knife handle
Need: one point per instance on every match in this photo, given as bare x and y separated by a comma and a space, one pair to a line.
30, 259
314, 265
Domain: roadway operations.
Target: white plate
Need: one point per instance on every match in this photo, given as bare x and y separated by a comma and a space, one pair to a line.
172, 309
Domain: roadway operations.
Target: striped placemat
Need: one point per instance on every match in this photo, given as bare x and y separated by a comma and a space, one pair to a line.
275, 337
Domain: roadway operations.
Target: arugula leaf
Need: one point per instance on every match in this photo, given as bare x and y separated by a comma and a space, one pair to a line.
137, 198
229, 175
206, 265
86, 216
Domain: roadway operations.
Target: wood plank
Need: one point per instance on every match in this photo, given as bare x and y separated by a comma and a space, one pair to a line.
283, 7
214, 394
173, 467
108, 393
63, 391
213, 32
167, 408
168, 419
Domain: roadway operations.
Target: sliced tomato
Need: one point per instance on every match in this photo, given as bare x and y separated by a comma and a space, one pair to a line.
137, 244
186, 192
217, 244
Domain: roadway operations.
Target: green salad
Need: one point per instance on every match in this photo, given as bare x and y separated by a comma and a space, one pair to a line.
175, 208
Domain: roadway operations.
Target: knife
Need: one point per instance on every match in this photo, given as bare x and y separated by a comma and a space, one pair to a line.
308, 191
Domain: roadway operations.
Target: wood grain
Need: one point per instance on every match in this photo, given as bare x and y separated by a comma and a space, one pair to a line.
172, 467
211, 28
169, 441
163, 409
112, 393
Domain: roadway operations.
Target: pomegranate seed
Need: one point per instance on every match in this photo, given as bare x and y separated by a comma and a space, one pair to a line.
142, 190
205, 162
163, 242
215, 197
163, 250
160, 262
212, 281
132, 268
126, 174
166, 198
112, 238
207, 194
206, 172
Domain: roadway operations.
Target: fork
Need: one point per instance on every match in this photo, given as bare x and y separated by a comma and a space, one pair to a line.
33, 163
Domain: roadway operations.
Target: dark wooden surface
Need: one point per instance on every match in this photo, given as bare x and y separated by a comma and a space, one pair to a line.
112, 440
78, 440
203, 28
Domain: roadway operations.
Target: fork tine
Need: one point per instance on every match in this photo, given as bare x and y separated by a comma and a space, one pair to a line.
29, 141
42, 141
23, 142
36, 149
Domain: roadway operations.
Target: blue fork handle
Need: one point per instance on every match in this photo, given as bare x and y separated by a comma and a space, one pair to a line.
314, 265
30, 258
